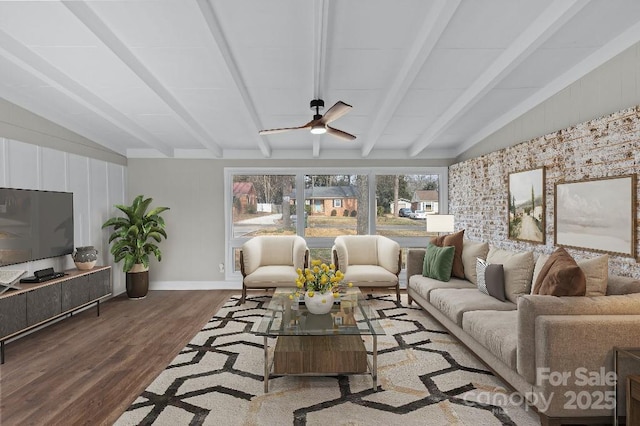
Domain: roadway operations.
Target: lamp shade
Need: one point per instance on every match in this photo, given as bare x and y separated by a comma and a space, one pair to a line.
440, 223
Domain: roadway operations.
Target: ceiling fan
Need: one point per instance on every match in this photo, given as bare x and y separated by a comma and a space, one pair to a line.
320, 123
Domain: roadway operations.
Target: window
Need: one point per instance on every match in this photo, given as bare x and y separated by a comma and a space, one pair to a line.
416, 192
323, 203
339, 205
261, 205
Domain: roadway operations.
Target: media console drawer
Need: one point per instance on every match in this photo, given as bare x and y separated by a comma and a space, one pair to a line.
36, 304
43, 303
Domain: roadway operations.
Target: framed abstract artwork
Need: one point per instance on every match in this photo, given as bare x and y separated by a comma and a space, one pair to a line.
526, 206
597, 214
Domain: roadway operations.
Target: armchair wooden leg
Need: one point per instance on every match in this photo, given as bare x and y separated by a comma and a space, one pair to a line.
410, 299
244, 294
398, 293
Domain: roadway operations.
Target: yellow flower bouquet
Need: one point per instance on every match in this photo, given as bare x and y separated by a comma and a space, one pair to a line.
319, 281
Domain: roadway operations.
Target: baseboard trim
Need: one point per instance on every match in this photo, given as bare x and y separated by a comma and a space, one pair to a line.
195, 285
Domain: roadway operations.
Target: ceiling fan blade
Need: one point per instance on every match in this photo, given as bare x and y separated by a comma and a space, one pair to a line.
335, 112
286, 129
340, 134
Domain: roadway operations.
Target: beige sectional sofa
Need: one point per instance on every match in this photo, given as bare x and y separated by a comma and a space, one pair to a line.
529, 338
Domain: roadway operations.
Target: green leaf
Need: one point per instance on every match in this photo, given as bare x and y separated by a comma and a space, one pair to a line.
128, 263
156, 236
157, 211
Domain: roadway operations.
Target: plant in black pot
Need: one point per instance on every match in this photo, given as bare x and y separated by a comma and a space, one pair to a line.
134, 238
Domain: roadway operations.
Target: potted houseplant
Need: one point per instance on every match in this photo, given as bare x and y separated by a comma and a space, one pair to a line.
134, 238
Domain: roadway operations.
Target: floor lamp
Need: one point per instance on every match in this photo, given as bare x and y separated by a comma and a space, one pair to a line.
440, 223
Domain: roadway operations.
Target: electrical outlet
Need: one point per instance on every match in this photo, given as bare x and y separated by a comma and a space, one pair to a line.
221, 268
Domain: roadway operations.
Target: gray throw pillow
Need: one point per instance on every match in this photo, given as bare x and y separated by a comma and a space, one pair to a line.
490, 279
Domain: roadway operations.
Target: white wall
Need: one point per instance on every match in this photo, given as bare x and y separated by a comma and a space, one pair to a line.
96, 185
611, 87
194, 191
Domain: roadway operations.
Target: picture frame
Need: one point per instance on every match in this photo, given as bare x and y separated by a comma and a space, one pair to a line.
526, 206
597, 214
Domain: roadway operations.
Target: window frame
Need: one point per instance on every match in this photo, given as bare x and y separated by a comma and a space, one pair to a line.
231, 244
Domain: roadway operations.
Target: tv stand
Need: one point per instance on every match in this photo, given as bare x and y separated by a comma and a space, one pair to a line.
39, 303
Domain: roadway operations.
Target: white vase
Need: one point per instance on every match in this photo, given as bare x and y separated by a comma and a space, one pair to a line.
320, 303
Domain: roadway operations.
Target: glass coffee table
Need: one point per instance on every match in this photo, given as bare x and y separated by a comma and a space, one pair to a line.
320, 345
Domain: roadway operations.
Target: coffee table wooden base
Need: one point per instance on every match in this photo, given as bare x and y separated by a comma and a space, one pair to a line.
320, 355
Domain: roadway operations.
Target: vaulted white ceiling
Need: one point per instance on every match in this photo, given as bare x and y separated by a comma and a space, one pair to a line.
200, 78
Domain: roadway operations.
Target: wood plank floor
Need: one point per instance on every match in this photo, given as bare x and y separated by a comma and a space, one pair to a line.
88, 369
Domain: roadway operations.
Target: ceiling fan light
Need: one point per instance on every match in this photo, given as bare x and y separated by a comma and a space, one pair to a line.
318, 129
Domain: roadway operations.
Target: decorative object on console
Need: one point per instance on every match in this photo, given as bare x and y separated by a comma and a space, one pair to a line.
490, 279
133, 241
597, 214
526, 201
560, 276
85, 257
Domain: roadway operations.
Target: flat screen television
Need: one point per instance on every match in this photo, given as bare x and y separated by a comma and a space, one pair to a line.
34, 225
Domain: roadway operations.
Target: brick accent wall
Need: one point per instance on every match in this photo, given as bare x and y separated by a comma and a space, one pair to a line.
478, 188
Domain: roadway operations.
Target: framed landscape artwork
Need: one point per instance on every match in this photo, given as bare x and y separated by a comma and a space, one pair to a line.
527, 206
597, 214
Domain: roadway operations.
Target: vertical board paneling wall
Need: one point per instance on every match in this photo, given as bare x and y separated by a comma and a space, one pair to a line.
96, 185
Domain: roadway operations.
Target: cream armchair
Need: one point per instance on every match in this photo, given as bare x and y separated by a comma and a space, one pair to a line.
368, 261
271, 261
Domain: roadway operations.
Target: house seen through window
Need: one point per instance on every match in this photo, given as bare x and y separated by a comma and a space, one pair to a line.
320, 207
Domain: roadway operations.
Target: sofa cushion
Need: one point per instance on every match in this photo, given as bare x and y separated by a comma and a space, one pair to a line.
542, 259
277, 250
453, 303
491, 279
370, 276
596, 271
560, 276
472, 250
272, 276
617, 285
424, 285
456, 240
518, 270
363, 249
438, 262
496, 331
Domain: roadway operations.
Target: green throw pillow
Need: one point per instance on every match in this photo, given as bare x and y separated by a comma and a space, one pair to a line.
438, 262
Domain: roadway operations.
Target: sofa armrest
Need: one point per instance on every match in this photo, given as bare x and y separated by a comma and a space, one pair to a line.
574, 360
415, 262
389, 255
530, 307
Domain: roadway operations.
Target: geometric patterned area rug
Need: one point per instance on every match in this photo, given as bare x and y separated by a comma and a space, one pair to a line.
425, 377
